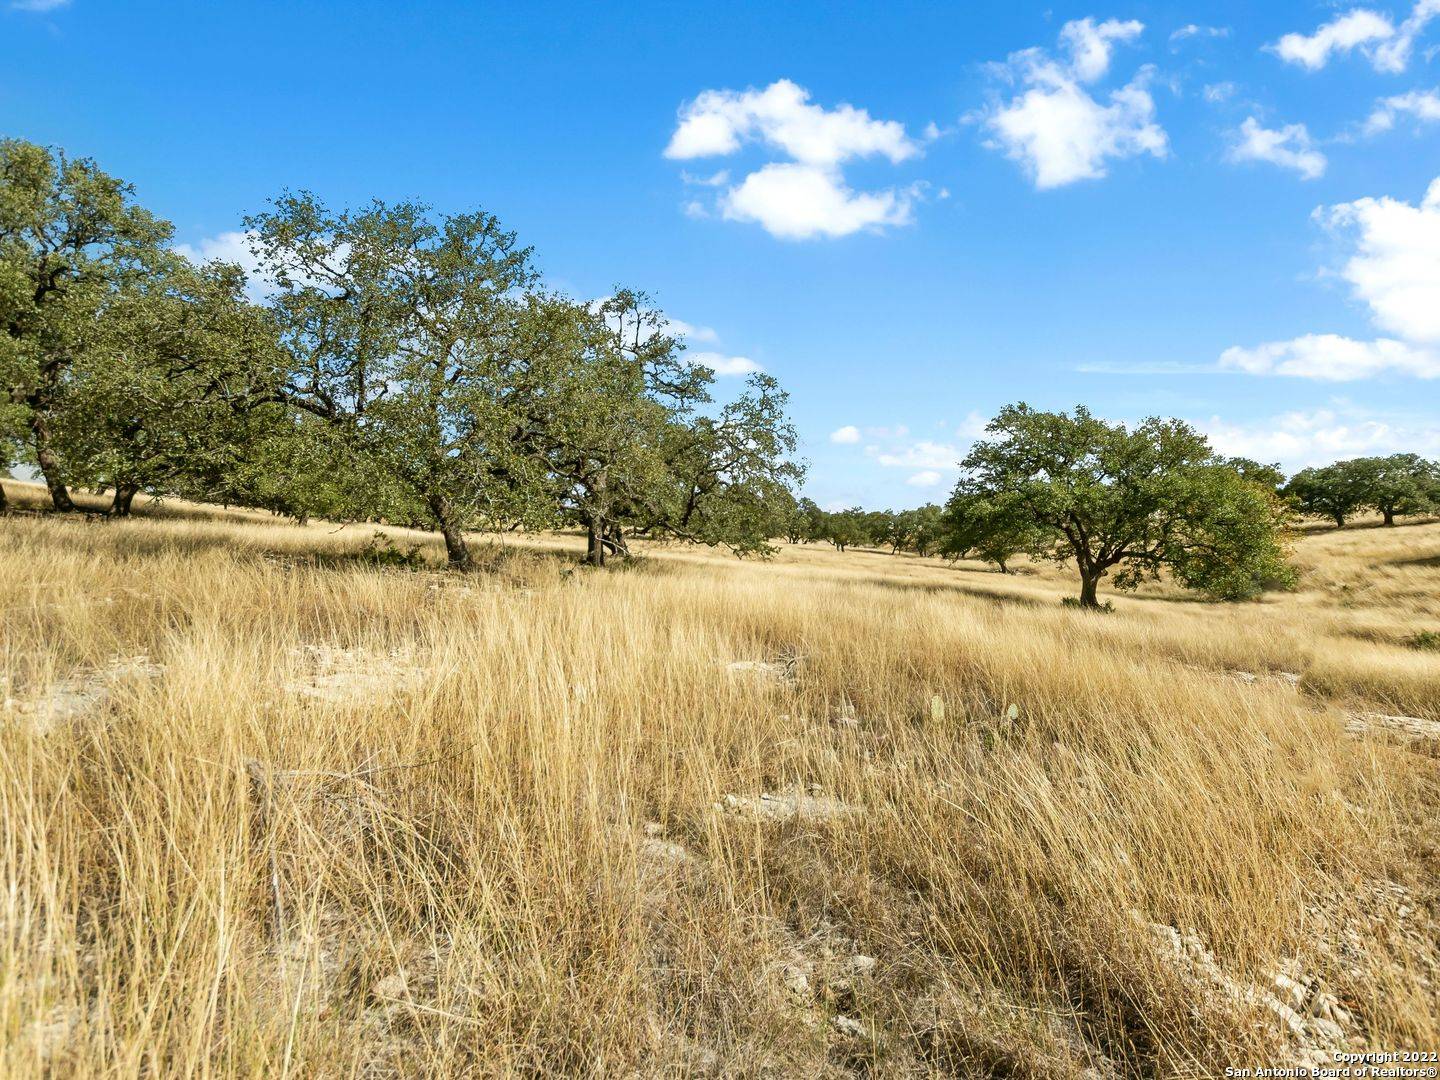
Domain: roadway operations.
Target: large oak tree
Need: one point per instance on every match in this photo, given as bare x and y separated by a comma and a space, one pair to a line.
1132, 501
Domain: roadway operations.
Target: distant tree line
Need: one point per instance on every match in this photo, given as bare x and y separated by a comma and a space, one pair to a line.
1390, 486
405, 366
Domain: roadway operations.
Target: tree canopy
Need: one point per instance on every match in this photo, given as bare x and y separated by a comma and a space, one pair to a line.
1071, 486
404, 365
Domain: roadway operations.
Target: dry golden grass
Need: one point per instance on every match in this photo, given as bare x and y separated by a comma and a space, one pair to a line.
269, 810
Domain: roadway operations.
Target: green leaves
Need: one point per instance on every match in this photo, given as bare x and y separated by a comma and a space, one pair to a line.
1398, 484
1071, 486
70, 239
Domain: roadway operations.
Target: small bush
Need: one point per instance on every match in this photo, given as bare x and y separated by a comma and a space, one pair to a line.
382, 552
1429, 640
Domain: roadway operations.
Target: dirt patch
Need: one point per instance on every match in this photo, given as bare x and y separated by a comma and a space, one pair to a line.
80, 694
343, 676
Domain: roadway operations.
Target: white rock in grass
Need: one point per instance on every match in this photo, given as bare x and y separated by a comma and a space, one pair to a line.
393, 987
787, 805
850, 1027
776, 671
1411, 728
796, 980
859, 964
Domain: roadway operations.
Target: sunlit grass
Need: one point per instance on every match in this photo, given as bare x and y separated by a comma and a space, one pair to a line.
329, 819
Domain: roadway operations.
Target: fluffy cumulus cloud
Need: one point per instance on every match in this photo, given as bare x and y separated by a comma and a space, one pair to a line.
796, 202
805, 196
1388, 47
1356, 29
1394, 270
719, 122
1056, 126
845, 436
1299, 439
1422, 106
1289, 147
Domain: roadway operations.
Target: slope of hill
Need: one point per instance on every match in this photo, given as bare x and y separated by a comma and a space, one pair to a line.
286, 800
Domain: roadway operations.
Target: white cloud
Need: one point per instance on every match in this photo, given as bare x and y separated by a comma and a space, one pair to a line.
973, 426
1299, 439
1090, 46
1215, 93
1194, 30
845, 436
1056, 128
1333, 358
681, 328
1422, 105
921, 455
232, 247
1387, 47
799, 202
1289, 147
716, 179
724, 366
1396, 266
928, 478
1353, 30
39, 5
1393, 56
805, 196
1395, 272
719, 122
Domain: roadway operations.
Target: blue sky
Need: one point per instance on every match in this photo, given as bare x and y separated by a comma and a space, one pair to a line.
910, 213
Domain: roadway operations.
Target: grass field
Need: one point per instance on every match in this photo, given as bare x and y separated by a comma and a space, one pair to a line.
272, 807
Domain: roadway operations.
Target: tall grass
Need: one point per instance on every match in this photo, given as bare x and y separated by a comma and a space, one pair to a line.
351, 821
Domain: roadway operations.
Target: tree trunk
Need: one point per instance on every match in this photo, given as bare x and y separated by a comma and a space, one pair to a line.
1339, 520
614, 541
49, 464
4, 499
1001, 564
124, 496
596, 518
457, 552
1389, 515
595, 547
1089, 584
